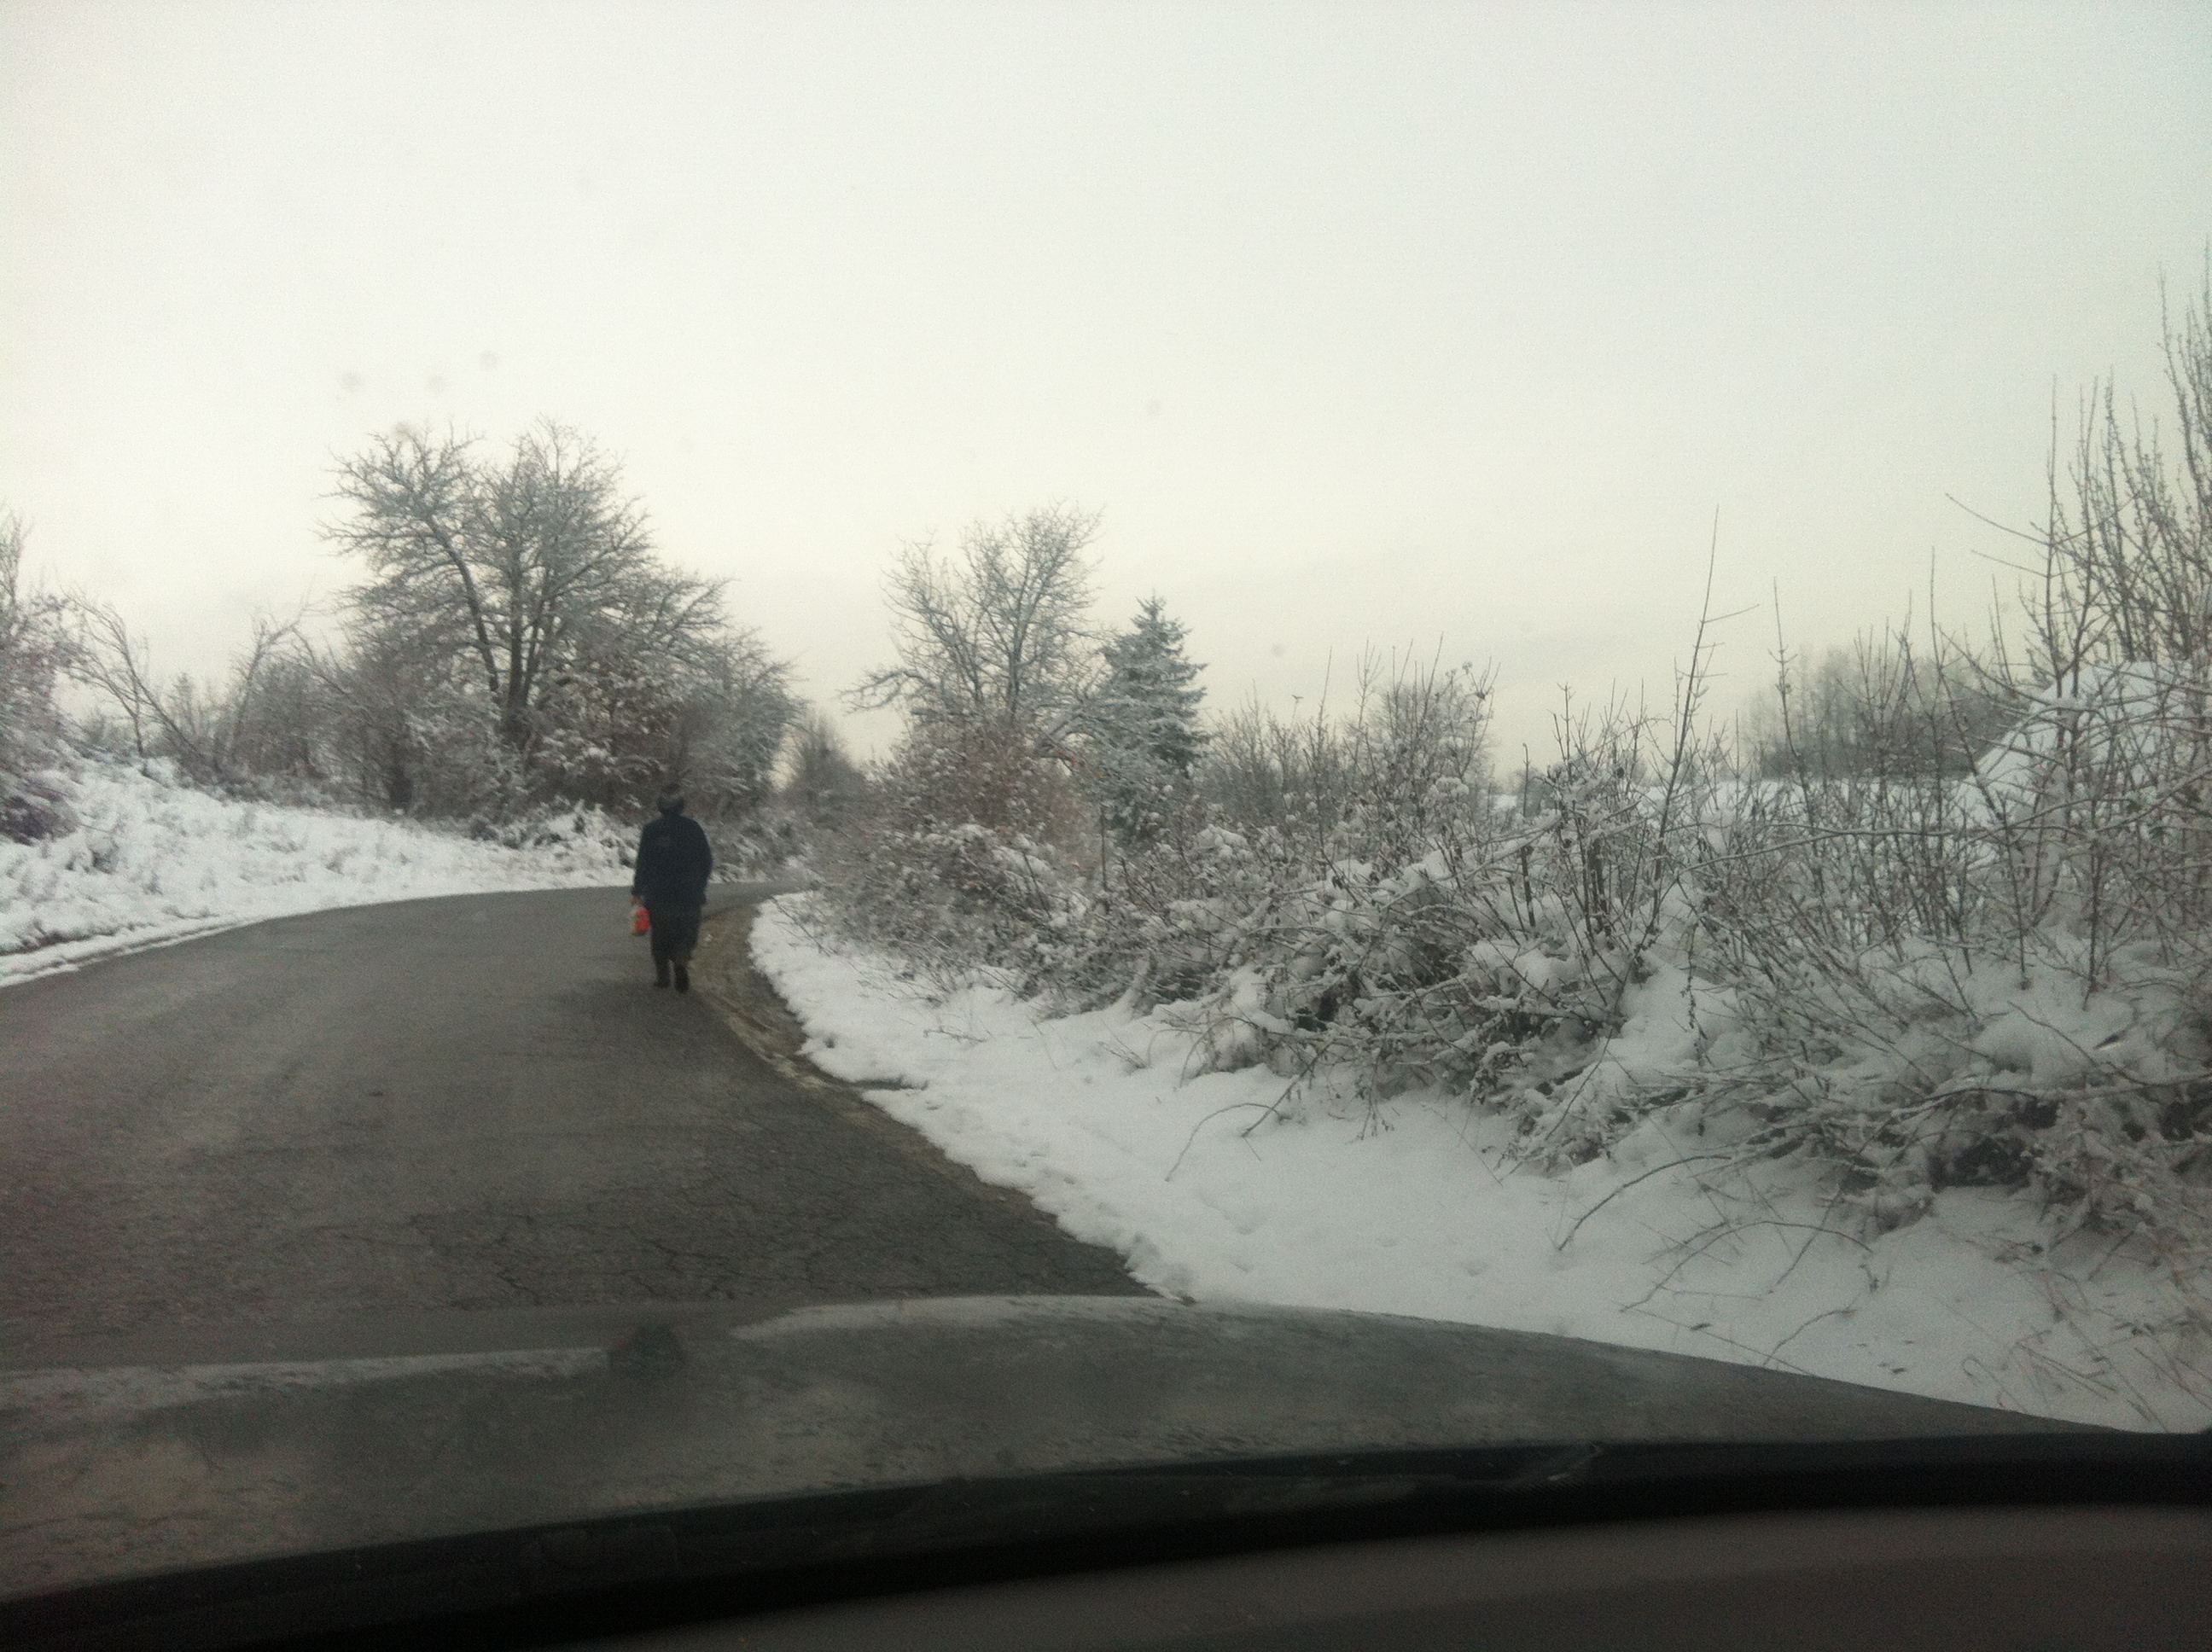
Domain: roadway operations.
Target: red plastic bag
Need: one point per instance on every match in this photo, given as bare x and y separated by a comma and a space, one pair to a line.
641, 920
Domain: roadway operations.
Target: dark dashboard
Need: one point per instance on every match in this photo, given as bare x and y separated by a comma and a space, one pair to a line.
1869, 1581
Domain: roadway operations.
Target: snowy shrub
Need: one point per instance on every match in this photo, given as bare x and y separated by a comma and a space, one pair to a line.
955, 865
1899, 978
34, 647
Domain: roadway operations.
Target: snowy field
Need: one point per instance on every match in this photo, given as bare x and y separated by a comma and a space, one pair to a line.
1216, 1187
152, 861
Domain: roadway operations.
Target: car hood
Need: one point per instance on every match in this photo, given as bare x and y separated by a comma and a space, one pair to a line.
219, 1449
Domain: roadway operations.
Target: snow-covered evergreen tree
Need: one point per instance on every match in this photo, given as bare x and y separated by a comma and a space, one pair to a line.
1144, 737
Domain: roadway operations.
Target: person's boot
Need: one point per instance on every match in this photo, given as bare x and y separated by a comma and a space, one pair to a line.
661, 975
683, 979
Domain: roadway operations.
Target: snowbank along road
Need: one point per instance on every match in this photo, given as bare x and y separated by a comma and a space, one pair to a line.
470, 1103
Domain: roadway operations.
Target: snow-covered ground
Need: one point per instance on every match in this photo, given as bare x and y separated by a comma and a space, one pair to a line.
152, 860
1216, 1187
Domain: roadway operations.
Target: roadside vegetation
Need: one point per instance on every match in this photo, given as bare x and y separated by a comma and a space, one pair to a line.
1936, 914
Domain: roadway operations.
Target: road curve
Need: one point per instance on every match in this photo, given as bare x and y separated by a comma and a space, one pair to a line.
473, 1102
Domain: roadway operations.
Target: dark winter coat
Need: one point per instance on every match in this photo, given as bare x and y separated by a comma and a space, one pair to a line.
673, 862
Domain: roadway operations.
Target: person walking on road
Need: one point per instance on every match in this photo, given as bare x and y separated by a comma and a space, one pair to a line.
674, 863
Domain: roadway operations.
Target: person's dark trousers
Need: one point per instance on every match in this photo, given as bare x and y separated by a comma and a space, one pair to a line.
675, 933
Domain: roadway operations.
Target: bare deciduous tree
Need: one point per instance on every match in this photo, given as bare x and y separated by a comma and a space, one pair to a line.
518, 568
998, 634
519, 601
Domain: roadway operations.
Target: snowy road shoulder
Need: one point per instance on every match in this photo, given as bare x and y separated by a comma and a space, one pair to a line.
151, 861
1216, 1186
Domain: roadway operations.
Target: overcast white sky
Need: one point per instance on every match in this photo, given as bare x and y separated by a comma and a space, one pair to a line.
1362, 323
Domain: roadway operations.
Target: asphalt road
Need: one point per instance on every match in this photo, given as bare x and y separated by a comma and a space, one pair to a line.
467, 1104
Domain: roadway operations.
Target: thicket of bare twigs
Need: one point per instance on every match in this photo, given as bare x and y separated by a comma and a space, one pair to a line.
1891, 944
33, 652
